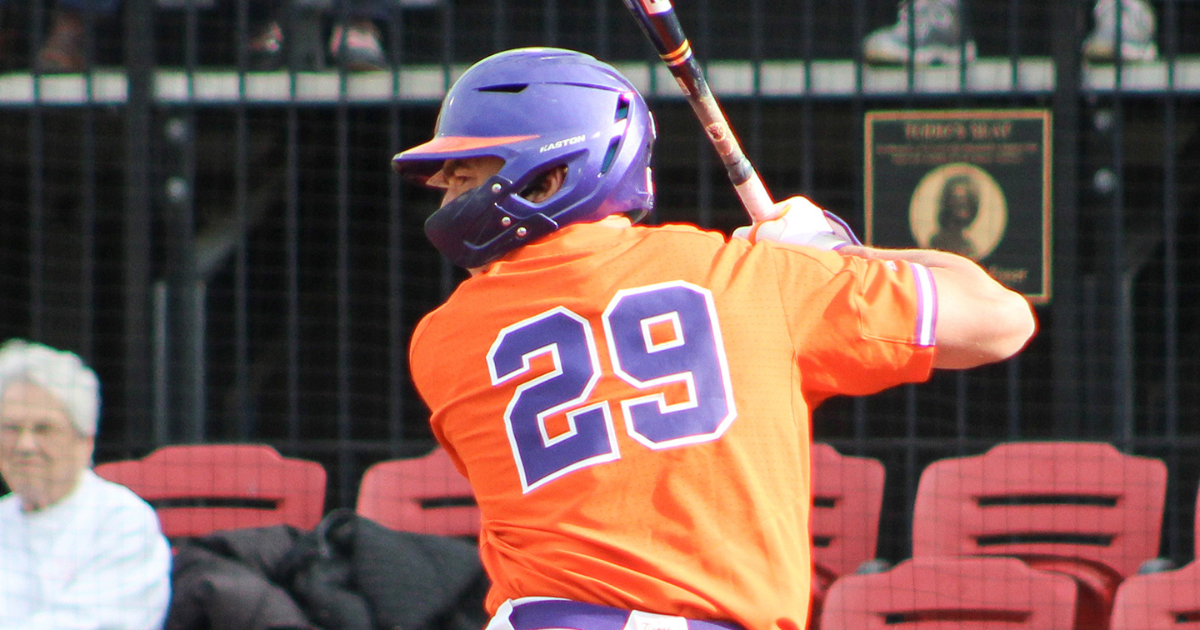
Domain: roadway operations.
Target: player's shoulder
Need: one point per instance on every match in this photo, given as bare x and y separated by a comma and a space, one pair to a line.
792, 256
742, 256
443, 331
680, 237
420, 331
679, 231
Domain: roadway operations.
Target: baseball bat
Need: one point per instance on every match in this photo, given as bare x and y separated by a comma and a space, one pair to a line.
658, 20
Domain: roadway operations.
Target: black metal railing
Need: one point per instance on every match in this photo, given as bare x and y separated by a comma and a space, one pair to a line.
230, 249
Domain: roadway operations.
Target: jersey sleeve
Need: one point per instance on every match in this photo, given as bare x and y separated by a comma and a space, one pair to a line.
868, 326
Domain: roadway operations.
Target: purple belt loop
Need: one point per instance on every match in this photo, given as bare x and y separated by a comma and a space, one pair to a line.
562, 613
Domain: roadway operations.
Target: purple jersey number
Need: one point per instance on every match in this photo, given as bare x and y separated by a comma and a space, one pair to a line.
567, 338
658, 336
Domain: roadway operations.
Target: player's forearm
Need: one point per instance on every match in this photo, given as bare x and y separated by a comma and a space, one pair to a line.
979, 320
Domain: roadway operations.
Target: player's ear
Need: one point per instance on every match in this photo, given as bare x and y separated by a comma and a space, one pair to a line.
546, 185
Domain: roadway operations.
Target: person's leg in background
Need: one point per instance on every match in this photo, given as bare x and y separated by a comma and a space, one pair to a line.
927, 31
938, 32
65, 45
356, 42
291, 35
1138, 32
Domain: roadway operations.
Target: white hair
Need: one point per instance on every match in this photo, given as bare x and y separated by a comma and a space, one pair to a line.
61, 373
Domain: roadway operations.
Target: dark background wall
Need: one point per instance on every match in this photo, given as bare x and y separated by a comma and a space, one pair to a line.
238, 270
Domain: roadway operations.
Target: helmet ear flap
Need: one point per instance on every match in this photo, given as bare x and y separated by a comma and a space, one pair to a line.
470, 238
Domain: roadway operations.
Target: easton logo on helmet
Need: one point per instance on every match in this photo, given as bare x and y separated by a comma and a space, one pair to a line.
562, 143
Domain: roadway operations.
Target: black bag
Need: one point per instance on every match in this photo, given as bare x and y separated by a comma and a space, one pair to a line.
402, 579
349, 573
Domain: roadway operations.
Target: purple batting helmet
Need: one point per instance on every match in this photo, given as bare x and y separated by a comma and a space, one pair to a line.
537, 109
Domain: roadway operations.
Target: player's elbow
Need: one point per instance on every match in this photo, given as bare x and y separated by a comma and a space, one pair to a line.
1016, 325
994, 330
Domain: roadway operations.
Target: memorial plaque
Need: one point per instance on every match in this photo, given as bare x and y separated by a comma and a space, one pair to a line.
973, 182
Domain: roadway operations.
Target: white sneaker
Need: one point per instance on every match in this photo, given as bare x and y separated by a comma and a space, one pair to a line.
939, 37
1137, 32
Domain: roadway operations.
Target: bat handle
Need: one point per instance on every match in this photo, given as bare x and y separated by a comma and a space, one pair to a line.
749, 186
659, 23
756, 199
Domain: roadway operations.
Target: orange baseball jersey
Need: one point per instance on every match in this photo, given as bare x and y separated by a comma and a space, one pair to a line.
632, 407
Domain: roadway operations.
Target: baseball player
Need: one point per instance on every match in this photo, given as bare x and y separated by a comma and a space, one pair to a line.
632, 404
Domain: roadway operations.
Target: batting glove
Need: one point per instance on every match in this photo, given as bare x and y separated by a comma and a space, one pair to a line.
801, 222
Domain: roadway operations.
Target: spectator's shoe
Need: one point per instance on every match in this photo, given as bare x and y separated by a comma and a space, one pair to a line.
266, 48
939, 36
64, 47
1137, 32
356, 47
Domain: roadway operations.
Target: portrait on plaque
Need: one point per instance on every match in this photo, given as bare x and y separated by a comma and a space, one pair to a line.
958, 208
972, 182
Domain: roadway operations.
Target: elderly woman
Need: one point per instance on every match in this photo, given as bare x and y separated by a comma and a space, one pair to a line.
78, 552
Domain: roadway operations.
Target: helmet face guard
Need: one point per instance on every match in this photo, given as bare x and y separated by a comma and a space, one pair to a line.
537, 109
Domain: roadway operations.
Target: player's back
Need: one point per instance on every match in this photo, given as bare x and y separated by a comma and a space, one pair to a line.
628, 405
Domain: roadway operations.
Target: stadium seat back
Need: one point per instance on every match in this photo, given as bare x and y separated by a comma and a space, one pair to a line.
201, 488
1161, 600
944, 593
1169, 600
423, 494
1080, 508
847, 501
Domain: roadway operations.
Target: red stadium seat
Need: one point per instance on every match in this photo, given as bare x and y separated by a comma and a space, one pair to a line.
202, 488
1079, 508
847, 500
424, 494
1159, 601
942, 593
1168, 599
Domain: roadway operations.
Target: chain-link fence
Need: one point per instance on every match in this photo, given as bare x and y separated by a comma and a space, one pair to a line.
203, 207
